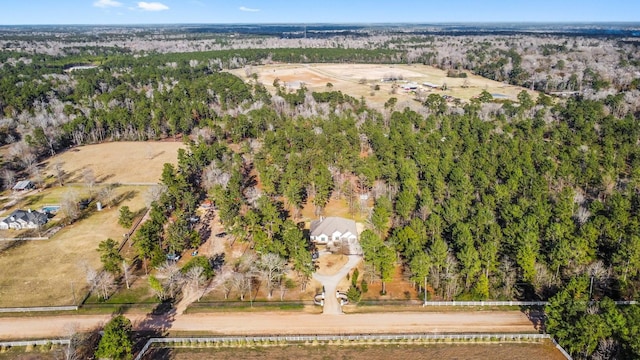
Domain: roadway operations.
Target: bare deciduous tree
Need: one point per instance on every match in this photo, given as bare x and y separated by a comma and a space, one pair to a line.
57, 167
28, 160
171, 277
69, 205
242, 283
89, 178
105, 284
101, 282
194, 279
227, 286
153, 194
271, 268
8, 178
107, 194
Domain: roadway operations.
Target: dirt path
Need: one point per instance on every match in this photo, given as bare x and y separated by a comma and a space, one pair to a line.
282, 323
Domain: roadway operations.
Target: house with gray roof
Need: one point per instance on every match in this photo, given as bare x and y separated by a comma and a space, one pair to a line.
23, 185
24, 219
333, 229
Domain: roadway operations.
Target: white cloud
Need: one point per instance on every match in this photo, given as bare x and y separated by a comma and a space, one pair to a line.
244, 8
152, 6
107, 3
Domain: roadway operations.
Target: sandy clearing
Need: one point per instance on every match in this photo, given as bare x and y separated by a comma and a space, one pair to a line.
283, 323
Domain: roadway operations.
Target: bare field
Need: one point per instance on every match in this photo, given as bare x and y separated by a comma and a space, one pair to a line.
511, 351
117, 162
358, 80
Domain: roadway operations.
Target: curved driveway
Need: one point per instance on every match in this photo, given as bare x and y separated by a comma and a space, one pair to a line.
330, 284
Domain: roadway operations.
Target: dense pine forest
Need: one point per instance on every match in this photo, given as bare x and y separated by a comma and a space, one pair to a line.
534, 199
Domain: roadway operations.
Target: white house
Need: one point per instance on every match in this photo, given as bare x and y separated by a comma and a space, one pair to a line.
24, 219
333, 229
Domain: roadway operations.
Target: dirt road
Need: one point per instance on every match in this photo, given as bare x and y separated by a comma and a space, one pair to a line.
281, 323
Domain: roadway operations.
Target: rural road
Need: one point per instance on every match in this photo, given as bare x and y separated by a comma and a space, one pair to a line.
285, 323
330, 285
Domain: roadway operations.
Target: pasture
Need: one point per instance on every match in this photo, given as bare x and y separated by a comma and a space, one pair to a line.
360, 80
51, 272
511, 351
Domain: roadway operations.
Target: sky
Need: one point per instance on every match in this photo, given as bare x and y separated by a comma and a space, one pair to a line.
105, 12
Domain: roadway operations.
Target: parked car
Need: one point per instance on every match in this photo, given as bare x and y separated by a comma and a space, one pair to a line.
173, 257
221, 235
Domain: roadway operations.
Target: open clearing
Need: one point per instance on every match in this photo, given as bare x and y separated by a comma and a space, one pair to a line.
496, 351
117, 162
50, 272
44, 272
358, 80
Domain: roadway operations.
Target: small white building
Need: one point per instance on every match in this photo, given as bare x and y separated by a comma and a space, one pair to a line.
431, 85
410, 86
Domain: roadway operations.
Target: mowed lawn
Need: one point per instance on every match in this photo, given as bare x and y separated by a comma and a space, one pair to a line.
44, 272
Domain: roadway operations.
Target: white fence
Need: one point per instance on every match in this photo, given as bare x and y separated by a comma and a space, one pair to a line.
37, 309
35, 342
362, 337
485, 303
504, 303
24, 239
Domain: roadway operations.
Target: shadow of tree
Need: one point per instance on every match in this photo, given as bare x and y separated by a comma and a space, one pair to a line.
104, 178
127, 195
217, 261
34, 199
156, 324
536, 316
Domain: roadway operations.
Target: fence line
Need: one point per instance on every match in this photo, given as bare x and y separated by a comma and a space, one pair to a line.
24, 238
35, 342
505, 303
362, 337
561, 349
37, 309
485, 303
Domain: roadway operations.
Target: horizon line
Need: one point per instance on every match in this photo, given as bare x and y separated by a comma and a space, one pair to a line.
542, 22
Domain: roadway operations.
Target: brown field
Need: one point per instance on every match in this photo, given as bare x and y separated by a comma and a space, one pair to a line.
358, 81
117, 162
496, 351
43, 272
50, 272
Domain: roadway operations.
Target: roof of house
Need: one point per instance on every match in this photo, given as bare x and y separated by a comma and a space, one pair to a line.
332, 224
22, 185
28, 216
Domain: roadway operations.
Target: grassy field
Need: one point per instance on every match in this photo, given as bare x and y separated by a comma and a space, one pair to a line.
116, 162
358, 80
480, 351
50, 272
